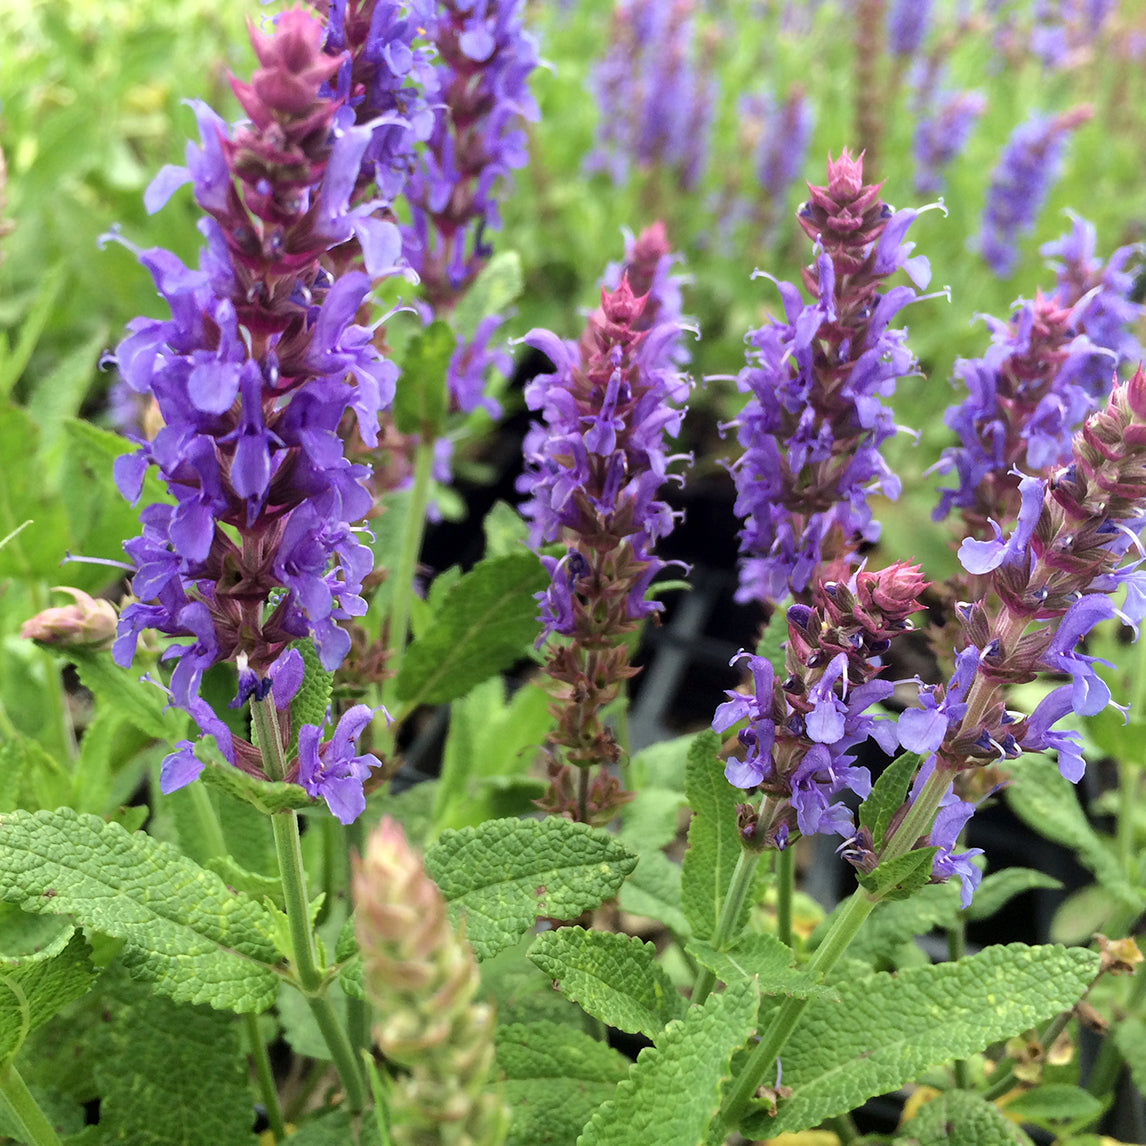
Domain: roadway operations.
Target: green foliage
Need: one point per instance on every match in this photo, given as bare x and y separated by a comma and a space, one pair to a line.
34, 987
184, 931
887, 796
895, 922
960, 1118
504, 874
762, 957
266, 796
1048, 804
498, 285
555, 1077
30, 776
1056, 1106
1130, 1037
1000, 887
615, 978
486, 622
902, 876
653, 890
886, 1030
673, 1091
170, 1074
421, 400
713, 840
310, 703
120, 690
774, 642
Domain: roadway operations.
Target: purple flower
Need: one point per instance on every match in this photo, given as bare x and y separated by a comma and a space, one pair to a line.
1027, 167
943, 121
1090, 694
950, 821
1038, 734
330, 770
983, 556
907, 24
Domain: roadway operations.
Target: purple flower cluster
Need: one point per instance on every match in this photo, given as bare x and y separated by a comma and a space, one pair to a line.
814, 421
479, 99
1028, 166
801, 730
943, 121
262, 358
655, 92
907, 25
1045, 370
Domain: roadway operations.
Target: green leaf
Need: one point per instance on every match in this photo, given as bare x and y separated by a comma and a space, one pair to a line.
887, 795
504, 874
498, 284
900, 877
13, 361
649, 820
662, 764
774, 641
251, 883
886, 1030
1001, 887
961, 1118
653, 890
184, 931
488, 621
522, 993
30, 776
1047, 803
673, 1091
122, 691
713, 840
615, 978
422, 397
763, 957
34, 553
58, 397
310, 703
1055, 1106
555, 1077
505, 530
171, 1075
34, 987
1130, 1038
268, 796
338, 1128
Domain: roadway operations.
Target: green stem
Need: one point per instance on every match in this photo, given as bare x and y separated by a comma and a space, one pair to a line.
738, 889
1108, 1065
304, 956
1007, 1066
403, 576
843, 930
266, 1077
785, 883
207, 826
31, 1124
357, 1010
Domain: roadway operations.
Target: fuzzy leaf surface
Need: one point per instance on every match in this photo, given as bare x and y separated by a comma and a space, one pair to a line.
961, 1118
654, 890
673, 1090
35, 987
487, 621
713, 841
615, 978
887, 795
899, 1026
504, 874
763, 956
185, 932
171, 1074
555, 1077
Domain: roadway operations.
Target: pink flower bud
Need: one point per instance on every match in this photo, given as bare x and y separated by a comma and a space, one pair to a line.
88, 624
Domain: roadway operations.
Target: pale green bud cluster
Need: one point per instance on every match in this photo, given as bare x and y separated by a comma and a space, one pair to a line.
421, 976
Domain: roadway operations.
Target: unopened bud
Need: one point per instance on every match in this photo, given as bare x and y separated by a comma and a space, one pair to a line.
87, 624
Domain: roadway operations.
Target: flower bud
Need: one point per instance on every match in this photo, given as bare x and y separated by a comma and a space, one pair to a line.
87, 624
421, 975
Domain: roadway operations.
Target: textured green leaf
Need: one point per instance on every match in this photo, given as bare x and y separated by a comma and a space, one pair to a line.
1047, 803
34, 987
653, 890
763, 956
171, 1075
961, 1118
522, 993
1000, 887
22, 933
886, 1030
267, 796
900, 877
649, 820
505, 530
887, 795
555, 1077
498, 284
309, 704
615, 978
422, 395
185, 932
337, 1128
504, 874
713, 841
487, 621
33, 777
1055, 1106
122, 691
662, 764
673, 1090
1130, 1037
